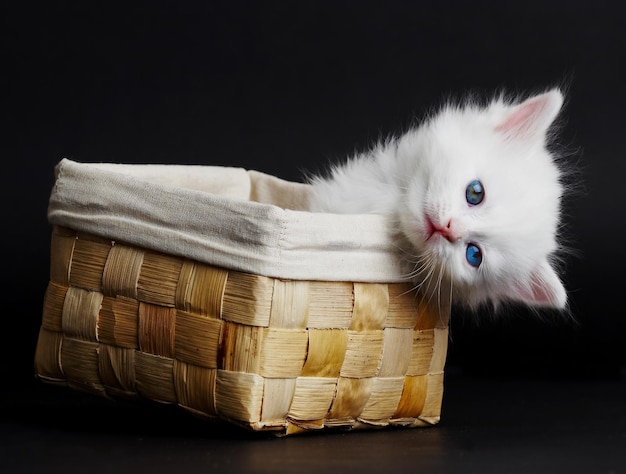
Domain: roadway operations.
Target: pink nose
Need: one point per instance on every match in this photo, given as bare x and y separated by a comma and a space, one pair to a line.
447, 231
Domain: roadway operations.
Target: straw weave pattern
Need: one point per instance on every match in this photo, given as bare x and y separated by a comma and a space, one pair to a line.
269, 354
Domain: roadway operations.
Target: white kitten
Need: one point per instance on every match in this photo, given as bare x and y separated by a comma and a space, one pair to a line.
474, 192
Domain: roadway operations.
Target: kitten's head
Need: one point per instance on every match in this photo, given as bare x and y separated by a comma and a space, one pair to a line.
482, 201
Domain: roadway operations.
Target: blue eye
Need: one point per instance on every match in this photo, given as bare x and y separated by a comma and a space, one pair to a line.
473, 255
474, 193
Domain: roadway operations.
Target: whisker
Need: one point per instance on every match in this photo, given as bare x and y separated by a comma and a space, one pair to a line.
439, 280
449, 318
418, 270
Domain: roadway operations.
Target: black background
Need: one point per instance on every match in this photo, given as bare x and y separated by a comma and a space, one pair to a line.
283, 87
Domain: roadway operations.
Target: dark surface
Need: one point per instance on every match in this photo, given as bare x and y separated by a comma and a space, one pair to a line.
488, 426
283, 87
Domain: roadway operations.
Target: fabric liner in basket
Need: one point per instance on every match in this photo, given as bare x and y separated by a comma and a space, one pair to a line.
213, 288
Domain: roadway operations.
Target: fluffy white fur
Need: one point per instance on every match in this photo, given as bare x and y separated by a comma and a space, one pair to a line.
419, 180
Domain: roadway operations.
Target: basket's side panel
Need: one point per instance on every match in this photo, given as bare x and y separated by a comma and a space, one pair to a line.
118, 324
48, 351
88, 261
67, 348
266, 353
158, 279
48, 356
195, 386
121, 272
198, 336
116, 366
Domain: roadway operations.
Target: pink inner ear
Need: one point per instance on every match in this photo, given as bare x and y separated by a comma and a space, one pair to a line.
541, 291
544, 289
521, 121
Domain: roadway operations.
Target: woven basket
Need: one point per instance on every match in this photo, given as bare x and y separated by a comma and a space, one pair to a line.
267, 352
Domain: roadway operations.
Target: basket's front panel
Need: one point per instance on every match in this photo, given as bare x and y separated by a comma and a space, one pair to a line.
266, 353
384, 398
283, 352
326, 352
331, 305
397, 352
277, 397
351, 396
312, 400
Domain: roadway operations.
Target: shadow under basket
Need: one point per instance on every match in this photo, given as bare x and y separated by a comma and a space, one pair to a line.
270, 353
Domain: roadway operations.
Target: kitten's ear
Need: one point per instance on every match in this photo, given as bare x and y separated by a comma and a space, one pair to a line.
531, 118
543, 289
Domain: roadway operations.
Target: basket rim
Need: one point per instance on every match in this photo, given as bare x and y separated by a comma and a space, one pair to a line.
137, 204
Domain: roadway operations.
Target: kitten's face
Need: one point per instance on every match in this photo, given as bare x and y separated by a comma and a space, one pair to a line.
480, 208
